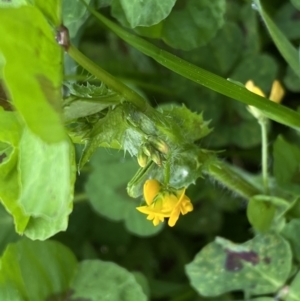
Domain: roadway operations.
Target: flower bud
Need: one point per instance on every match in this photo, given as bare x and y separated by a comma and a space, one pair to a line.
142, 158
159, 144
147, 149
156, 158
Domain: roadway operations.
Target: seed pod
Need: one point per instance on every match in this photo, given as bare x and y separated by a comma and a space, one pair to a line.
159, 144
142, 158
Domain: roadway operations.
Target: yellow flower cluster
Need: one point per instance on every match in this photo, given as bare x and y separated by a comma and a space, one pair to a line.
164, 203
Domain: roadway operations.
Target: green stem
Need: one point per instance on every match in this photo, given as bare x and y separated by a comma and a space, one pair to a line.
224, 174
205, 78
264, 153
80, 197
129, 94
167, 170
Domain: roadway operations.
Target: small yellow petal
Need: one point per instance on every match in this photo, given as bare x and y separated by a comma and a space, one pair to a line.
174, 217
186, 206
151, 189
254, 89
277, 92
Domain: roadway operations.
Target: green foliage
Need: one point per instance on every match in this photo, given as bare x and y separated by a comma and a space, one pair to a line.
194, 25
259, 266
42, 81
174, 110
99, 280
139, 13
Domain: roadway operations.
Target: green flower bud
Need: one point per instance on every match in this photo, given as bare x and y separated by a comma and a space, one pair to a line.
142, 158
159, 144
156, 158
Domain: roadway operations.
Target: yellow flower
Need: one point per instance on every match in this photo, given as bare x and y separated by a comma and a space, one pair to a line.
163, 203
276, 95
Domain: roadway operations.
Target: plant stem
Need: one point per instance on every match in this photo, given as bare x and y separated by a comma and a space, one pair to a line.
116, 85
227, 176
264, 153
203, 77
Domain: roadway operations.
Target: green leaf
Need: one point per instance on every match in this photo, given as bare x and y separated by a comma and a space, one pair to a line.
106, 189
202, 77
284, 46
294, 289
287, 22
296, 3
194, 25
47, 174
7, 233
291, 233
259, 266
99, 280
12, 3
51, 10
286, 164
35, 270
74, 15
37, 93
260, 214
291, 80
145, 13
248, 68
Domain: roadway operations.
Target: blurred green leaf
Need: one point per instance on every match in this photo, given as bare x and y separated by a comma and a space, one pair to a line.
40, 82
259, 266
287, 21
141, 13
35, 271
7, 233
291, 80
51, 10
296, 3
12, 3
260, 68
286, 49
74, 14
106, 189
291, 233
193, 25
98, 280
294, 289
286, 165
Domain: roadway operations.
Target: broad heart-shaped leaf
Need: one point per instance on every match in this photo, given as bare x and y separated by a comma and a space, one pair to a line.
194, 25
99, 280
35, 270
106, 189
145, 13
47, 174
31, 46
258, 266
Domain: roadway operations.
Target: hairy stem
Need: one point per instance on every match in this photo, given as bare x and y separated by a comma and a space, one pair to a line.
231, 179
109, 80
